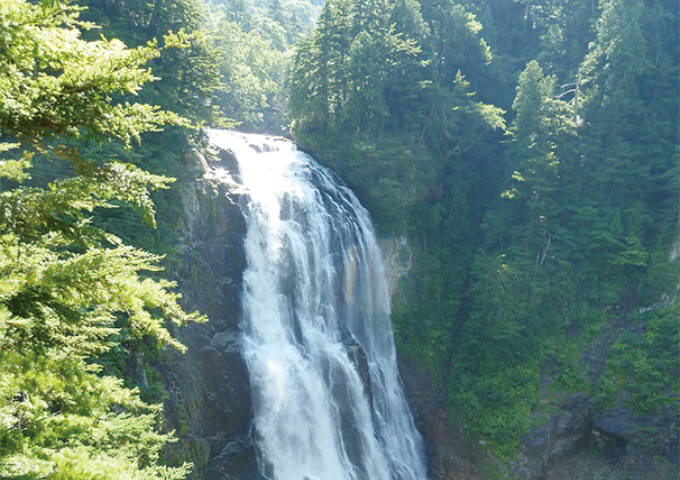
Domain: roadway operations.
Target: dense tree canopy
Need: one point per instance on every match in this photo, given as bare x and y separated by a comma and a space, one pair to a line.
529, 151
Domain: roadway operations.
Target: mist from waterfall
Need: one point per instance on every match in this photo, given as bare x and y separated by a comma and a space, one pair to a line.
316, 332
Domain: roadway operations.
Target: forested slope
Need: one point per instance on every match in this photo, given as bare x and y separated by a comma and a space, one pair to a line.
529, 152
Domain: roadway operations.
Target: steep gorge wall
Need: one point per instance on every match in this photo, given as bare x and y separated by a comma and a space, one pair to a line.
209, 402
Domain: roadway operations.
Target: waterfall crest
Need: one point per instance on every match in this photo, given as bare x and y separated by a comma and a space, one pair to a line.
316, 332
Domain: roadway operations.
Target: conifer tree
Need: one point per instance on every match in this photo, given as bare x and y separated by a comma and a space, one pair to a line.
71, 292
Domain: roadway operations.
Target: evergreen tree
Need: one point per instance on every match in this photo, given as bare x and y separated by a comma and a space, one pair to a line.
71, 292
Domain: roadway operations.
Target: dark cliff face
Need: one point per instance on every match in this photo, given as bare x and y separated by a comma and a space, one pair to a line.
209, 402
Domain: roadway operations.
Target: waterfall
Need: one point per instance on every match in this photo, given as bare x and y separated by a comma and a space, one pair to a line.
316, 332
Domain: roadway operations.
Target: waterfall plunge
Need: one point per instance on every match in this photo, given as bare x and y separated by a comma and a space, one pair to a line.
317, 336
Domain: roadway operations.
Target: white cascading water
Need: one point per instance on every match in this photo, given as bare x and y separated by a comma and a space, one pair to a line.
317, 336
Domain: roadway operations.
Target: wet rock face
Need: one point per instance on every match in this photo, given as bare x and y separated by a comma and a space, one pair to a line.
450, 455
236, 461
612, 443
209, 403
562, 435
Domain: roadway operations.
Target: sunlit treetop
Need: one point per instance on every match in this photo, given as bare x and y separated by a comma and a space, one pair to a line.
53, 82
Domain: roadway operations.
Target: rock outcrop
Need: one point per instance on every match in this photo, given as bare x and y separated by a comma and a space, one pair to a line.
209, 402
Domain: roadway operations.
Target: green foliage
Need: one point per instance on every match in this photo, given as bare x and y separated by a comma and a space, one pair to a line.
55, 82
66, 421
251, 41
252, 77
645, 366
498, 405
376, 99
68, 289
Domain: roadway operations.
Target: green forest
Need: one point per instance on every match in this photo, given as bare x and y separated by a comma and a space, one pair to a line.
526, 150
